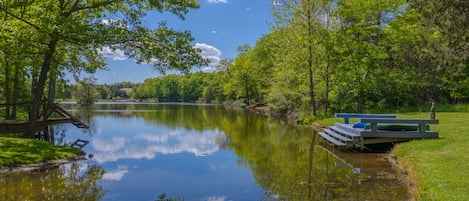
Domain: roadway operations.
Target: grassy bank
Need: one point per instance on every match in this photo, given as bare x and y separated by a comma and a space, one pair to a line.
18, 151
437, 168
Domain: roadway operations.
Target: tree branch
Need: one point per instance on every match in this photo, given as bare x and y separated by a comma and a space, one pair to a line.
21, 19
76, 8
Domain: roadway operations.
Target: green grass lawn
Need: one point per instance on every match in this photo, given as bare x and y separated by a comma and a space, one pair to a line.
439, 168
18, 151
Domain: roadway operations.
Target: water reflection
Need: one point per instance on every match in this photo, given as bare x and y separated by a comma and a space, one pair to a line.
146, 145
77, 181
208, 153
289, 164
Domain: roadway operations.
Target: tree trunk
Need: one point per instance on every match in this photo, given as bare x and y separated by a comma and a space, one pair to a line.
310, 59
326, 106
16, 91
7, 89
248, 98
311, 85
39, 90
51, 91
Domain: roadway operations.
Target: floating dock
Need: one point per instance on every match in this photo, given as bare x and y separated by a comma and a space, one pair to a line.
376, 129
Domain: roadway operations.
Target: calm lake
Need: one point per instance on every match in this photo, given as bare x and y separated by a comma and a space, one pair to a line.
141, 152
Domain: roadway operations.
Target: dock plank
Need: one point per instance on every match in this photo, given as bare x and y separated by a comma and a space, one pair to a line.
337, 135
348, 116
331, 139
345, 129
400, 134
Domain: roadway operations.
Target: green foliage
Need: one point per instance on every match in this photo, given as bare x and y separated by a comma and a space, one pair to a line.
86, 93
18, 151
363, 55
307, 119
189, 87
250, 73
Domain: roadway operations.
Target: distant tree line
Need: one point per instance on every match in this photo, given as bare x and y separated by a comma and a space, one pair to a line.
87, 91
190, 87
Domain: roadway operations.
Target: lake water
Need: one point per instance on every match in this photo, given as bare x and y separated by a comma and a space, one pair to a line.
201, 153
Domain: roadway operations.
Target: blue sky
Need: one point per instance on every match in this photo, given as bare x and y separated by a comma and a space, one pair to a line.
218, 26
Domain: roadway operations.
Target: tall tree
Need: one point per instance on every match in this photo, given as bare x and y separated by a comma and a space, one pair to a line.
306, 18
77, 29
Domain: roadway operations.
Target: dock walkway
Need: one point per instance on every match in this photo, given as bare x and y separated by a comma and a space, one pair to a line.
375, 129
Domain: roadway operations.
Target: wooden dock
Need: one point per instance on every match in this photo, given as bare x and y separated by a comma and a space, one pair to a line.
376, 129
51, 114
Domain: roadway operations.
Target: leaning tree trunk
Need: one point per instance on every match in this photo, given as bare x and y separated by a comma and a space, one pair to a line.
51, 92
39, 90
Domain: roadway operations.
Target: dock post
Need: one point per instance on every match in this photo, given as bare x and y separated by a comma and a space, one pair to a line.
432, 111
362, 143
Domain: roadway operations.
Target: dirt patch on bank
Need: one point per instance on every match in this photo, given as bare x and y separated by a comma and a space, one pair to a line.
39, 166
405, 175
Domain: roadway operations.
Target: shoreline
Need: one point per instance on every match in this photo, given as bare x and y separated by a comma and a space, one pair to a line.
39, 166
403, 174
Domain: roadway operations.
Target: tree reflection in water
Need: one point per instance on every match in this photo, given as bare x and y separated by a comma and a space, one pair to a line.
289, 164
75, 181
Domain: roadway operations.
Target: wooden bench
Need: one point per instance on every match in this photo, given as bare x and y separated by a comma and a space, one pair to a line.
422, 131
347, 116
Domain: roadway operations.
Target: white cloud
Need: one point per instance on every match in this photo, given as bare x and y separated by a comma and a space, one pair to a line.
114, 144
208, 69
217, 1
154, 138
107, 52
114, 23
276, 3
213, 32
211, 53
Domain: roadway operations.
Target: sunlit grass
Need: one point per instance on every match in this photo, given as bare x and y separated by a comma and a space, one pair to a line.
17, 151
441, 166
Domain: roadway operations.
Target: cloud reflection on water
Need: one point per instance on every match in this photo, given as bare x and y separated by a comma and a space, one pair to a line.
147, 145
216, 198
116, 175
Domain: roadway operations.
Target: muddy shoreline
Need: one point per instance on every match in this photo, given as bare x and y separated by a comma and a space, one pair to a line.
39, 166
